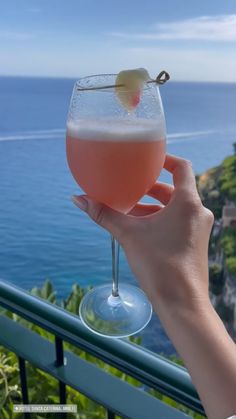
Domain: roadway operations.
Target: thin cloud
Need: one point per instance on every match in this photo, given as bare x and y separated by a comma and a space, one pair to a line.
208, 28
15, 36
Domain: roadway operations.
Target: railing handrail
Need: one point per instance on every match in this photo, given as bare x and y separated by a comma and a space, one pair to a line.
118, 397
151, 369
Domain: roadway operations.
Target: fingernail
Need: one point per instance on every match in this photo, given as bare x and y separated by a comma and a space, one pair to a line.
80, 202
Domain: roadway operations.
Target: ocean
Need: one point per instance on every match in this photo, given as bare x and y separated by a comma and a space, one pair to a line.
42, 234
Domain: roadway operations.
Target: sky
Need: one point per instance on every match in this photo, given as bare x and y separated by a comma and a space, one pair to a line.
192, 40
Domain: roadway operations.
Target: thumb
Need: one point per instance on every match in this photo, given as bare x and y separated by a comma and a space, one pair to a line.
113, 221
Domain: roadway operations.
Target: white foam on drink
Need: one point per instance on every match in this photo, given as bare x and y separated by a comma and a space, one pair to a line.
116, 130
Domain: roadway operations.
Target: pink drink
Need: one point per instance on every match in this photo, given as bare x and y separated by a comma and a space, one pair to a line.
115, 162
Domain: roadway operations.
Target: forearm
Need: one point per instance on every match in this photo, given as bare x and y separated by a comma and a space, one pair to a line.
208, 353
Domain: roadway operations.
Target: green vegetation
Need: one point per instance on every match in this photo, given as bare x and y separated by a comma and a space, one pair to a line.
231, 266
234, 147
228, 179
9, 383
208, 187
216, 279
46, 390
228, 243
217, 185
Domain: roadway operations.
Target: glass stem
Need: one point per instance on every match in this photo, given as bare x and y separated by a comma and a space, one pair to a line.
115, 251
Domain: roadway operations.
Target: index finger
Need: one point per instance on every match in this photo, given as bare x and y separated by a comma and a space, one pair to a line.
181, 169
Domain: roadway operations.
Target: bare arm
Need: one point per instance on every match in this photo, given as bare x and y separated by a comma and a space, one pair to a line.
209, 355
166, 248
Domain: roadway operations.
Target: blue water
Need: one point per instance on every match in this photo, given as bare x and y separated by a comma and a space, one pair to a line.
42, 234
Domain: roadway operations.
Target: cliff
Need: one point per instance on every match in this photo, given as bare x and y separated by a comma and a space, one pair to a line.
217, 188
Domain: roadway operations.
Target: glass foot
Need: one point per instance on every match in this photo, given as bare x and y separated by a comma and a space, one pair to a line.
115, 317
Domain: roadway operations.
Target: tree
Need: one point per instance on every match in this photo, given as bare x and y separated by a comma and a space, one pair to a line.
216, 279
234, 147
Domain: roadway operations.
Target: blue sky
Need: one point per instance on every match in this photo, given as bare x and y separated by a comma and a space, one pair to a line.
193, 40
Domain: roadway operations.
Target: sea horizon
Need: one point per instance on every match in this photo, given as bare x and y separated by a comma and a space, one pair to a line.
41, 77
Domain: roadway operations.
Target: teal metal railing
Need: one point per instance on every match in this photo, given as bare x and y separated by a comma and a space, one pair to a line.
117, 396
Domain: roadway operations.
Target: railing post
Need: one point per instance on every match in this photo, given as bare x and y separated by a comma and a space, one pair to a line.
23, 382
59, 362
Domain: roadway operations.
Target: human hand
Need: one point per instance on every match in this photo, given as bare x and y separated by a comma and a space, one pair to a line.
166, 246
167, 249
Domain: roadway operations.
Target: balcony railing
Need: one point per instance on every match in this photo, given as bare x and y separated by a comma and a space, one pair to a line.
117, 396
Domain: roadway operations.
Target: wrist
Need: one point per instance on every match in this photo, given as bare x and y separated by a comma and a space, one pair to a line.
181, 292
185, 312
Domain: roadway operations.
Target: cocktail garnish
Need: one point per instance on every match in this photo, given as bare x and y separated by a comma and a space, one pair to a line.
129, 86
161, 78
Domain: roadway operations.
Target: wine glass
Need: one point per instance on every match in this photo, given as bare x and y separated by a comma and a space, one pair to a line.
115, 155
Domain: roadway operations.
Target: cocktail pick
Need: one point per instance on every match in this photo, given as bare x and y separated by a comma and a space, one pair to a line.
162, 78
